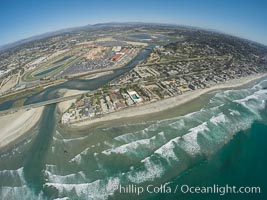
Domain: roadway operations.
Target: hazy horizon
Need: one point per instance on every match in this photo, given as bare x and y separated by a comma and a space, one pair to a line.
25, 19
66, 28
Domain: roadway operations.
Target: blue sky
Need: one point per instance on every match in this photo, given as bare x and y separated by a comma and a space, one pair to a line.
20, 19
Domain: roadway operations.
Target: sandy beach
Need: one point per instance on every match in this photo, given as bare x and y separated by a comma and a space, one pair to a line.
169, 102
97, 75
13, 126
64, 105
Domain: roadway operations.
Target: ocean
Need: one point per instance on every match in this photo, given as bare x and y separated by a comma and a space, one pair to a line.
222, 142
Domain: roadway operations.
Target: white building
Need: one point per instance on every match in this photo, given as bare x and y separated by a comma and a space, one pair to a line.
65, 118
116, 49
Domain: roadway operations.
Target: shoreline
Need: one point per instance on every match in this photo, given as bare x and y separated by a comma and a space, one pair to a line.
165, 104
15, 125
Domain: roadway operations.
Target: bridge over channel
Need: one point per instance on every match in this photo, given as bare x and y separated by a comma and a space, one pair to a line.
39, 104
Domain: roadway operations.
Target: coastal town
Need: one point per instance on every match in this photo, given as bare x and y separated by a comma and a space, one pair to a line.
170, 70
180, 60
46, 62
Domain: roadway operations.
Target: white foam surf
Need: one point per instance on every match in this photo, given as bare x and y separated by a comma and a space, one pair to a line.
130, 147
189, 143
219, 119
99, 189
150, 172
70, 178
15, 175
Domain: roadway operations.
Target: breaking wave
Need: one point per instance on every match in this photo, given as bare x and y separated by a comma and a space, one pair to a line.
138, 153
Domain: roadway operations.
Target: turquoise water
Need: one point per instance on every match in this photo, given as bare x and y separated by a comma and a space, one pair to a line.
135, 97
242, 162
142, 37
47, 71
224, 142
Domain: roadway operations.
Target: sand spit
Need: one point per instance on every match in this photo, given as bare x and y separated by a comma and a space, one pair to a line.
14, 125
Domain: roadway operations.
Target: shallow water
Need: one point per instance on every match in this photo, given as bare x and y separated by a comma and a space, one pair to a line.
223, 142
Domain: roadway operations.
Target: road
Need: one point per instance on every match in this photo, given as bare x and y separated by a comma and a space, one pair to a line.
43, 103
185, 59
